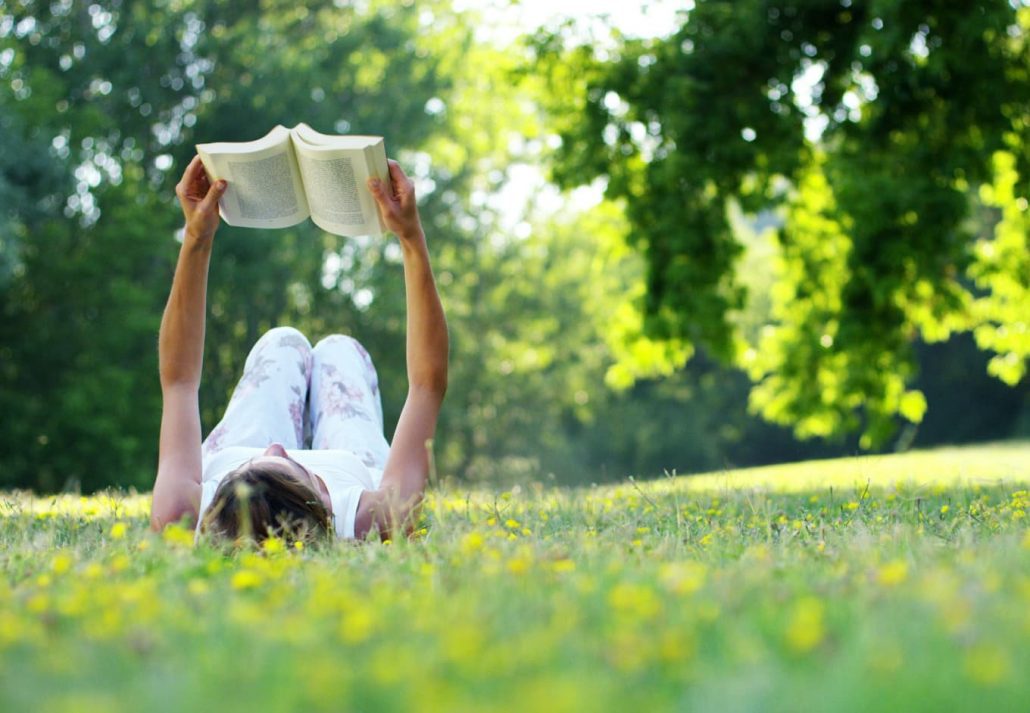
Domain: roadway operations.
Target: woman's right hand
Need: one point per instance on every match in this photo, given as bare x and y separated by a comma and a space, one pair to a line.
397, 204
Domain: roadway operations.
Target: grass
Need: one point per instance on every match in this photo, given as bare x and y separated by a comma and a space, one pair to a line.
887, 583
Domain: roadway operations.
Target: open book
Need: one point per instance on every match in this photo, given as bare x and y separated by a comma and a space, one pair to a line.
291, 174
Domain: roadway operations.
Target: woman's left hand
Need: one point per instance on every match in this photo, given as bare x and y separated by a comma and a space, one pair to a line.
199, 199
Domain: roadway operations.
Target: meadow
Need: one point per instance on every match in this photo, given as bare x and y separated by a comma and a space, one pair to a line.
877, 583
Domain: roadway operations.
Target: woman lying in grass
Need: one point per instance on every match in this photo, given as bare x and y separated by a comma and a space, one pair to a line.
253, 476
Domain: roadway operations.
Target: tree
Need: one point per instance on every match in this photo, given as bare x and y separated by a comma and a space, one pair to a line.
106, 100
919, 105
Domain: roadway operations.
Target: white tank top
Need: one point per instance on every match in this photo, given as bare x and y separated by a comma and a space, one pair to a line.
345, 477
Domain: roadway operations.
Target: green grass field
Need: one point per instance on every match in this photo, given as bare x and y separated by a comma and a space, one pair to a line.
893, 583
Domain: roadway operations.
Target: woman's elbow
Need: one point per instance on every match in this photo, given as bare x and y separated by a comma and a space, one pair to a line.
431, 381
163, 516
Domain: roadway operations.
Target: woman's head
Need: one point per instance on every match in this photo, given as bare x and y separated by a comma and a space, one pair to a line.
272, 495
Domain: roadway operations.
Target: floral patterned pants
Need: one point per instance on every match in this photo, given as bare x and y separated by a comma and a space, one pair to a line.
326, 397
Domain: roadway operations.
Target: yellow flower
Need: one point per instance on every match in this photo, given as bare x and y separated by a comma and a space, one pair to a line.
852, 506
518, 565
472, 542
563, 565
987, 664
61, 563
682, 577
246, 579
273, 546
893, 573
357, 623
120, 563
806, 628
177, 536
633, 599
118, 530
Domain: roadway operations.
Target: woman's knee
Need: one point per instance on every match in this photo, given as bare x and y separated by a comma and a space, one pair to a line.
278, 338
335, 343
338, 340
286, 337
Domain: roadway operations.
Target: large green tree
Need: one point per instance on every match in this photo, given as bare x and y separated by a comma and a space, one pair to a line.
919, 106
101, 105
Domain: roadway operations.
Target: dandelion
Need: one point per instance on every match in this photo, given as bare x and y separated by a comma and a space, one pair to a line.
61, 563
563, 565
806, 628
986, 664
634, 600
246, 579
177, 536
273, 546
357, 623
682, 577
471, 542
118, 530
518, 565
893, 573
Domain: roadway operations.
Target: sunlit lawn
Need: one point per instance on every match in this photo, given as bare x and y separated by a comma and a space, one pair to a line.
886, 583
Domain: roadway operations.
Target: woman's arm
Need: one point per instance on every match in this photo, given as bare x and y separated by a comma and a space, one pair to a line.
181, 351
396, 502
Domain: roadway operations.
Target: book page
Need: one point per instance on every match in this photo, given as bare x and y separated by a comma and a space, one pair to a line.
337, 192
265, 189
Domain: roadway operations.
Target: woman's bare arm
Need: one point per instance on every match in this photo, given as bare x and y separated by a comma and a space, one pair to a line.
181, 351
395, 504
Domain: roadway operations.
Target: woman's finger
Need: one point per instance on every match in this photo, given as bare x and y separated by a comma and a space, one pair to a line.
188, 176
379, 192
397, 175
214, 193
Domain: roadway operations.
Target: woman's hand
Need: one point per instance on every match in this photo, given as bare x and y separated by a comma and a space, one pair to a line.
199, 201
398, 206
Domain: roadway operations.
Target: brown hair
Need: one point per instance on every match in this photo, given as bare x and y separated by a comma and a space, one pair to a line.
255, 502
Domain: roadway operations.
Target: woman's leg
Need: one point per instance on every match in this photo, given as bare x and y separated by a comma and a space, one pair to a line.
345, 407
268, 404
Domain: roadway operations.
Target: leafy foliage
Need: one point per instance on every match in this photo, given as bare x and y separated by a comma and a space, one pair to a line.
913, 99
553, 371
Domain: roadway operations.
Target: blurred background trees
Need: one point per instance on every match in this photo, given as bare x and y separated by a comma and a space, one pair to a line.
589, 340
874, 128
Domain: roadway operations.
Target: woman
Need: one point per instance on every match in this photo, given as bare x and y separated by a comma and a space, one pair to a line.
252, 477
